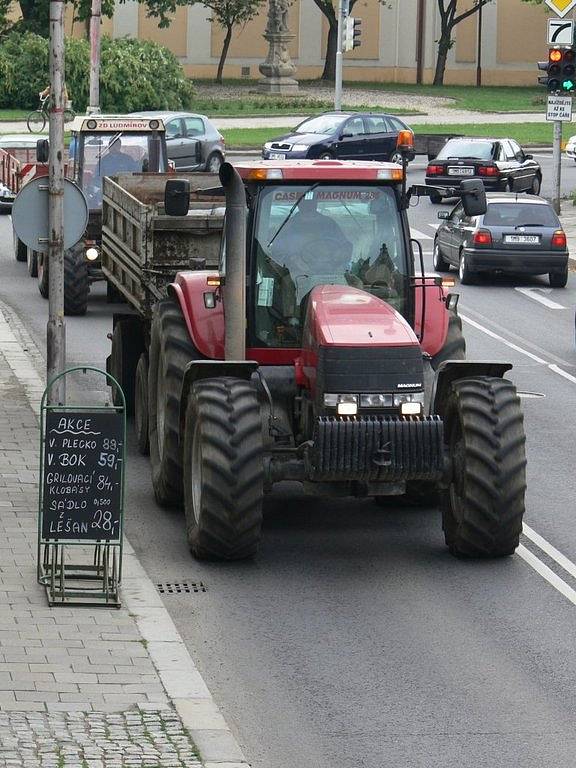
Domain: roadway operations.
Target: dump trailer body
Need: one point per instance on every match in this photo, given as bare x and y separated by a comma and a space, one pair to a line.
143, 248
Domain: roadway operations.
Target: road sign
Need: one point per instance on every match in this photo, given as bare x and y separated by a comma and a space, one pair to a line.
561, 7
560, 32
559, 108
30, 214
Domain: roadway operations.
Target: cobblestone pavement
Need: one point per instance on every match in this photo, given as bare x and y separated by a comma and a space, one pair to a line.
83, 687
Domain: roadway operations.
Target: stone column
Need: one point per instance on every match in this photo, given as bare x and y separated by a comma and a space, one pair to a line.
278, 68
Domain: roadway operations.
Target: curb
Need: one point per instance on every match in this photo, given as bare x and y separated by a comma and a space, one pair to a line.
180, 677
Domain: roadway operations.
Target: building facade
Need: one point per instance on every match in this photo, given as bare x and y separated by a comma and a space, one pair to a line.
398, 41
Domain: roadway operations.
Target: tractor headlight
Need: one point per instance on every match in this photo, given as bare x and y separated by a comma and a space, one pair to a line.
410, 403
346, 405
92, 254
377, 401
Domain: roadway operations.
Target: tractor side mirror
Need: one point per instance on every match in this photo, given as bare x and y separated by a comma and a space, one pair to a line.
177, 197
42, 150
473, 197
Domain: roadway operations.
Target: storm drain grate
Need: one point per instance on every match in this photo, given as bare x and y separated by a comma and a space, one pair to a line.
180, 587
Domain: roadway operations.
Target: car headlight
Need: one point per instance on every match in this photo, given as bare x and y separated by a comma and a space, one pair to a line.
268, 145
300, 147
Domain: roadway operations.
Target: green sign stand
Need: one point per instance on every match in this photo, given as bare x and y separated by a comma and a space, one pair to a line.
81, 499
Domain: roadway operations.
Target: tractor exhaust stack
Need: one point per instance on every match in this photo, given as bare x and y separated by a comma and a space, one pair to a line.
235, 278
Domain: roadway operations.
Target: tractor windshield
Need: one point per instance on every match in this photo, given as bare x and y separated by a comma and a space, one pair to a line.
337, 234
106, 154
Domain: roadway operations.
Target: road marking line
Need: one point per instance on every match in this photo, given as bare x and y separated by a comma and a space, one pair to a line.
551, 551
415, 233
532, 294
560, 372
547, 573
510, 344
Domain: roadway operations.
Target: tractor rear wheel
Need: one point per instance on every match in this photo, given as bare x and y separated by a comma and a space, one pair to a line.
483, 505
454, 345
76, 281
223, 469
141, 406
170, 352
127, 345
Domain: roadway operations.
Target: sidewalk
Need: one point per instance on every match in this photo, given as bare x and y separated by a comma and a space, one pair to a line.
85, 687
568, 221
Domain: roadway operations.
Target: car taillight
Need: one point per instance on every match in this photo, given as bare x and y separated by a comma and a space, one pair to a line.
435, 170
488, 170
482, 237
559, 239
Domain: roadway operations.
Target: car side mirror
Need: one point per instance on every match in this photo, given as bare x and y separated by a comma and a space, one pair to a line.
345, 136
527, 157
473, 197
443, 214
42, 150
177, 197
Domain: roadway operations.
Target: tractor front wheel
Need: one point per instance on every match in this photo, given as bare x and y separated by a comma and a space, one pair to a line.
141, 406
127, 344
223, 469
170, 352
483, 504
454, 345
76, 281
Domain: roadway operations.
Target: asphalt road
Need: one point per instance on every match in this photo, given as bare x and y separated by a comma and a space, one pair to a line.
355, 640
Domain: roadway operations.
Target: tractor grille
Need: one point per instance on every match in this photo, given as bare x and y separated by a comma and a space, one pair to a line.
377, 448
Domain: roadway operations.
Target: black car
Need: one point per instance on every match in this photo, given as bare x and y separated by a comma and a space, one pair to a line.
342, 135
501, 164
517, 234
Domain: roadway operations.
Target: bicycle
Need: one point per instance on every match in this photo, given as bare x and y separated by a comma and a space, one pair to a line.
36, 120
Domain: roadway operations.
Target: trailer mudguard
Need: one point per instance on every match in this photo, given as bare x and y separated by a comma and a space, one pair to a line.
211, 369
205, 324
452, 370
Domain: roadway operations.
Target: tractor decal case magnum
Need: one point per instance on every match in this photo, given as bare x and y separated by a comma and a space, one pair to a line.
317, 354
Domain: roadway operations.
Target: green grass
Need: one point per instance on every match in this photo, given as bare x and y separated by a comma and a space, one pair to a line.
524, 133
266, 107
9, 115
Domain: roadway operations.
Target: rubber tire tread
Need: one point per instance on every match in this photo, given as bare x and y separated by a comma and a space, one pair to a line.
454, 345
172, 348
127, 346
229, 423
558, 279
20, 249
44, 278
32, 262
443, 265
76, 282
141, 420
489, 521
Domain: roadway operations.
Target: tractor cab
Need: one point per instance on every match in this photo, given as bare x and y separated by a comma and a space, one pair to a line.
321, 223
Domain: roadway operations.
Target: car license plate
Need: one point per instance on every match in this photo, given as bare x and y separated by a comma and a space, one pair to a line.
277, 156
522, 239
460, 171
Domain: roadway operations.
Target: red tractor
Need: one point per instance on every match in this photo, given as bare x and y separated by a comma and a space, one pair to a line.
317, 354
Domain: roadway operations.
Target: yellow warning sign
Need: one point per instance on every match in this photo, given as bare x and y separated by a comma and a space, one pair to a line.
561, 7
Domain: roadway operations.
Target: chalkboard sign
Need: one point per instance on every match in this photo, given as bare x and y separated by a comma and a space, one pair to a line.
83, 475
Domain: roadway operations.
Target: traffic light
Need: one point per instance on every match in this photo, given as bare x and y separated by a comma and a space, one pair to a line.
560, 70
352, 33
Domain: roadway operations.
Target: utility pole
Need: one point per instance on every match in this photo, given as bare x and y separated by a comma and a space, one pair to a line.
94, 105
56, 329
342, 15
556, 165
479, 50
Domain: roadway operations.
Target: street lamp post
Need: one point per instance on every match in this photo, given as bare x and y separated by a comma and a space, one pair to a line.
479, 49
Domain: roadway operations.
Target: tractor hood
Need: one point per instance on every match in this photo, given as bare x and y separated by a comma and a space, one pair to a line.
344, 316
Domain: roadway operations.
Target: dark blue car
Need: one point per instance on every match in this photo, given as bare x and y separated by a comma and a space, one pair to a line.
342, 135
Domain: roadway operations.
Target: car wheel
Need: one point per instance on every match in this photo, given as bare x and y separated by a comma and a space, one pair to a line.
214, 163
439, 262
396, 157
326, 156
536, 185
558, 279
466, 276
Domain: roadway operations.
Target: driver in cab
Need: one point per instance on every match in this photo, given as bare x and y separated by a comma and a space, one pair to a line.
115, 161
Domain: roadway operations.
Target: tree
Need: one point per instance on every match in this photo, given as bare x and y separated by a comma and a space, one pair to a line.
227, 13
328, 9
449, 18
36, 14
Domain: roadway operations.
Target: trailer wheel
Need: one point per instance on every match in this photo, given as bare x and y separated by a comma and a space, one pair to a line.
141, 406
76, 281
32, 262
170, 351
483, 505
454, 345
20, 250
223, 470
42, 274
127, 346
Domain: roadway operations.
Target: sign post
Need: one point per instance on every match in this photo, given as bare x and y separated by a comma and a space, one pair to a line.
94, 106
342, 16
559, 110
81, 499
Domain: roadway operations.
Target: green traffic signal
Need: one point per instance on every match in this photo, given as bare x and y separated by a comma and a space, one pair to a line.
568, 85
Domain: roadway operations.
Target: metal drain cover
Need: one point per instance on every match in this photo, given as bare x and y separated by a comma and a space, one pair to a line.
180, 587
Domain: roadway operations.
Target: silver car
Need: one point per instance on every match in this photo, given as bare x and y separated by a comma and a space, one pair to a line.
193, 142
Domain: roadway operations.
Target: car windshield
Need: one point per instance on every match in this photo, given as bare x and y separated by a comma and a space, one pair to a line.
477, 150
337, 234
520, 215
327, 124
107, 154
